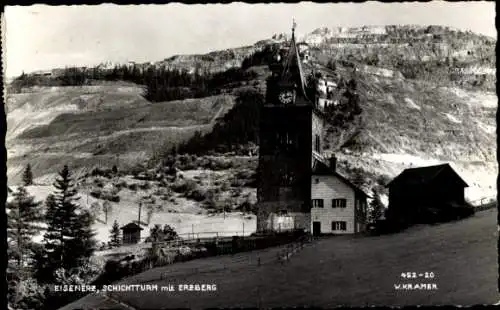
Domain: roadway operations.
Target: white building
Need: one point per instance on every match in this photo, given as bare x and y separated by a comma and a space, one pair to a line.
338, 206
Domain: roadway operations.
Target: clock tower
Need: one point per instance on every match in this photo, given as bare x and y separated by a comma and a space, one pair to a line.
291, 126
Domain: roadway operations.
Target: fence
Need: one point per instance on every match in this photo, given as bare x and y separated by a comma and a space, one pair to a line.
285, 254
235, 246
484, 203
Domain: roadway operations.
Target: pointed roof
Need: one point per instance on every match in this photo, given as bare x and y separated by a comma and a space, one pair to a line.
423, 175
292, 68
320, 168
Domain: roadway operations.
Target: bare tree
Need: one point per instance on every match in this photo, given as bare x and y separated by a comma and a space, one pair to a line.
106, 208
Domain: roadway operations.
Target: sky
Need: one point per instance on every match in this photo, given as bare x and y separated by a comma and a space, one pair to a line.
43, 37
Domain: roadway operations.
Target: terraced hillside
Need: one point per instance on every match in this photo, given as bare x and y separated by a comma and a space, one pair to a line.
98, 126
407, 123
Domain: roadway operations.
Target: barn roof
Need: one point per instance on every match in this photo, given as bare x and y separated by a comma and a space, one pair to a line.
320, 168
132, 226
423, 175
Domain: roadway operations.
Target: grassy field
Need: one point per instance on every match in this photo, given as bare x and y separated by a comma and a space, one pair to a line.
344, 270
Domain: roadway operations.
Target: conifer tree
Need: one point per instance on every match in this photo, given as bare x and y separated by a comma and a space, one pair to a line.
115, 234
155, 233
45, 261
84, 243
27, 176
24, 217
68, 242
376, 207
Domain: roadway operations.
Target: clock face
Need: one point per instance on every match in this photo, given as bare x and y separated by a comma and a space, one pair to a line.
286, 97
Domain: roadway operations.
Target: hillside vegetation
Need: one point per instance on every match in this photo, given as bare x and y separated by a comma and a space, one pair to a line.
426, 95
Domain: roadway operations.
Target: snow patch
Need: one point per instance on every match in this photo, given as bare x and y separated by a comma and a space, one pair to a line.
384, 199
407, 159
412, 104
390, 99
486, 128
378, 71
453, 118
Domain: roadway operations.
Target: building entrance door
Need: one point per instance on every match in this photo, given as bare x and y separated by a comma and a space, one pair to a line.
316, 228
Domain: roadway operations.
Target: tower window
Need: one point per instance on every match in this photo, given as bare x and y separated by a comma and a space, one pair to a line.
286, 139
317, 145
287, 179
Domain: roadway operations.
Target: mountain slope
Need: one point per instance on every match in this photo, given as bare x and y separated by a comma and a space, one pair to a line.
427, 96
406, 123
92, 125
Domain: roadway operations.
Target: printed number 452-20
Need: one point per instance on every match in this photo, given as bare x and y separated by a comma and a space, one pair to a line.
409, 275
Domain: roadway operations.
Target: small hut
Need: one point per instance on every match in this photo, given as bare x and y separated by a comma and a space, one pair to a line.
131, 233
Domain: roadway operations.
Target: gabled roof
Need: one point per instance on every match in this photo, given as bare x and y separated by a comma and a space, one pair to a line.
320, 168
423, 175
132, 226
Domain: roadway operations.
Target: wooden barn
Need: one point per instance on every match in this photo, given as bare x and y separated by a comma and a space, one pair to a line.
131, 233
420, 195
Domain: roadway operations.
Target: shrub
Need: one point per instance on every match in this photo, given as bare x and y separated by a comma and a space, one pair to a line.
31, 294
121, 184
137, 169
133, 187
96, 193
115, 198
184, 186
220, 164
187, 162
235, 182
98, 172
383, 180
145, 186
198, 194
98, 182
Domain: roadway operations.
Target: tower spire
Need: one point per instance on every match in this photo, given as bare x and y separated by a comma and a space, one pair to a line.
294, 25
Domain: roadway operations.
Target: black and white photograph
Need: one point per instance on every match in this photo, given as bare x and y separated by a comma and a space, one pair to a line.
250, 155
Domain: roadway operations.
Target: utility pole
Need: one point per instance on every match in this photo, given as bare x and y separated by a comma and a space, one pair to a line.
139, 219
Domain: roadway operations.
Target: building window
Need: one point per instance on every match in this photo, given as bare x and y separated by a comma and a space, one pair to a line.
317, 203
339, 226
317, 144
339, 203
287, 179
287, 176
288, 141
